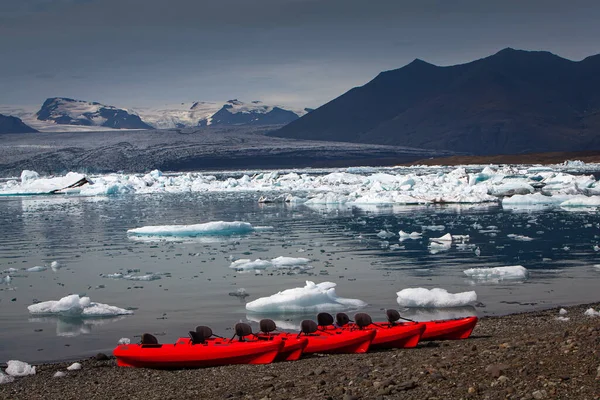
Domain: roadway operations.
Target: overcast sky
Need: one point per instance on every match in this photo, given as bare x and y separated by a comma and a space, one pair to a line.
294, 52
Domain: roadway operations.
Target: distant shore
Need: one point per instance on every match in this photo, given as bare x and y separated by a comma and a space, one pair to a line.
592, 156
531, 355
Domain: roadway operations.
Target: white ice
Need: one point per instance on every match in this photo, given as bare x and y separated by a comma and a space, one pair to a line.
208, 228
590, 312
19, 368
437, 297
59, 374
245, 264
562, 311
446, 238
582, 201
124, 341
74, 367
514, 272
310, 298
383, 234
520, 238
75, 306
405, 236
37, 268
5, 378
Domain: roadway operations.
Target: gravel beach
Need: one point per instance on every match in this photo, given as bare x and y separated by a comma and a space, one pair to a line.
521, 356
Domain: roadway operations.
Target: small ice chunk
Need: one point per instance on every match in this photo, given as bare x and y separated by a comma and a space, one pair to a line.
446, 238
124, 340
310, 298
437, 247
208, 228
564, 319
513, 272
74, 367
436, 297
477, 251
520, 238
37, 268
596, 247
562, 311
5, 378
59, 374
590, 312
27, 176
383, 234
413, 235
241, 292
7, 279
289, 262
434, 227
55, 265
19, 368
246, 264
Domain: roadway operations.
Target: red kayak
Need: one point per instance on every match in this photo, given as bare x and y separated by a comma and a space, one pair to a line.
293, 345
445, 329
387, 335
326, 338
198, 351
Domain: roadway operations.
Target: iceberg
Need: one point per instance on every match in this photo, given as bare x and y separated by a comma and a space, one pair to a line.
446, 238
208, 228
290, 262
437, 297
520, 238
245, 264
75, 306
582, 201
310, 298
514, 272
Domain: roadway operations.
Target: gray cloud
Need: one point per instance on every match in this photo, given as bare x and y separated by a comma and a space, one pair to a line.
301, 51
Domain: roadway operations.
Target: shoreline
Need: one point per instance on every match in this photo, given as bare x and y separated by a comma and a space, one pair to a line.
529, 355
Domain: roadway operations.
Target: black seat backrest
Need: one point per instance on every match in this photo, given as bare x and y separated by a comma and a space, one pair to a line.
149, 339
362, 320
197, 337
267, 325
342, 319
308, 326
242, 329
392, 315
324, 319
204, 331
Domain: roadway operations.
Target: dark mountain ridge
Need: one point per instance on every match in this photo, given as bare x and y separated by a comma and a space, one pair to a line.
511, 102
9, 124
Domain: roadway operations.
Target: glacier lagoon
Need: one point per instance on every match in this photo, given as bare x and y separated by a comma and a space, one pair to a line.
345, 221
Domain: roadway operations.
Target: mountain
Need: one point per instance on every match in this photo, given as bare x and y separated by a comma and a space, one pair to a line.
10, 124
232, 112
511, 102
65, 111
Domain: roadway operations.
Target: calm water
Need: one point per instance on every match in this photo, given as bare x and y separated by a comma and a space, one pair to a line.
88, 236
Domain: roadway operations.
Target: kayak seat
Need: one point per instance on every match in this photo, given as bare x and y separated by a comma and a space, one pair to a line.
204, 331
392, 315
267, 325
324, 319
342, 319
197, 337
242, 329
149, 340
362, 320
308, 326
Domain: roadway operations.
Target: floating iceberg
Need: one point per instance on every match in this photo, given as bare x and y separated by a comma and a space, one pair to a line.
75, 306
290, 262
520, 238
19, 368
37, 268
446, 238
421, 297
245, 264
208, 228
310, 298
516, 272
582, 201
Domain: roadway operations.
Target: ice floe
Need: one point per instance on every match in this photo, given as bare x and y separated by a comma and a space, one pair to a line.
208, 228
19, 368
75, 306
246, 264
310, 298
436, 297
37, 268
514, 272
520, 238
413, 235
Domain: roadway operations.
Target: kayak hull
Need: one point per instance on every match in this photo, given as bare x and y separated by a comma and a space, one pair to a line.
293, 346
184, 354
336, 340
449, 329
398, 337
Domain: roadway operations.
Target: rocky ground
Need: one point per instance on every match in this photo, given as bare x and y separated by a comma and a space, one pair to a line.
523, 356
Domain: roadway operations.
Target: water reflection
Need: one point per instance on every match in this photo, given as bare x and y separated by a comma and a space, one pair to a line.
70, 327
